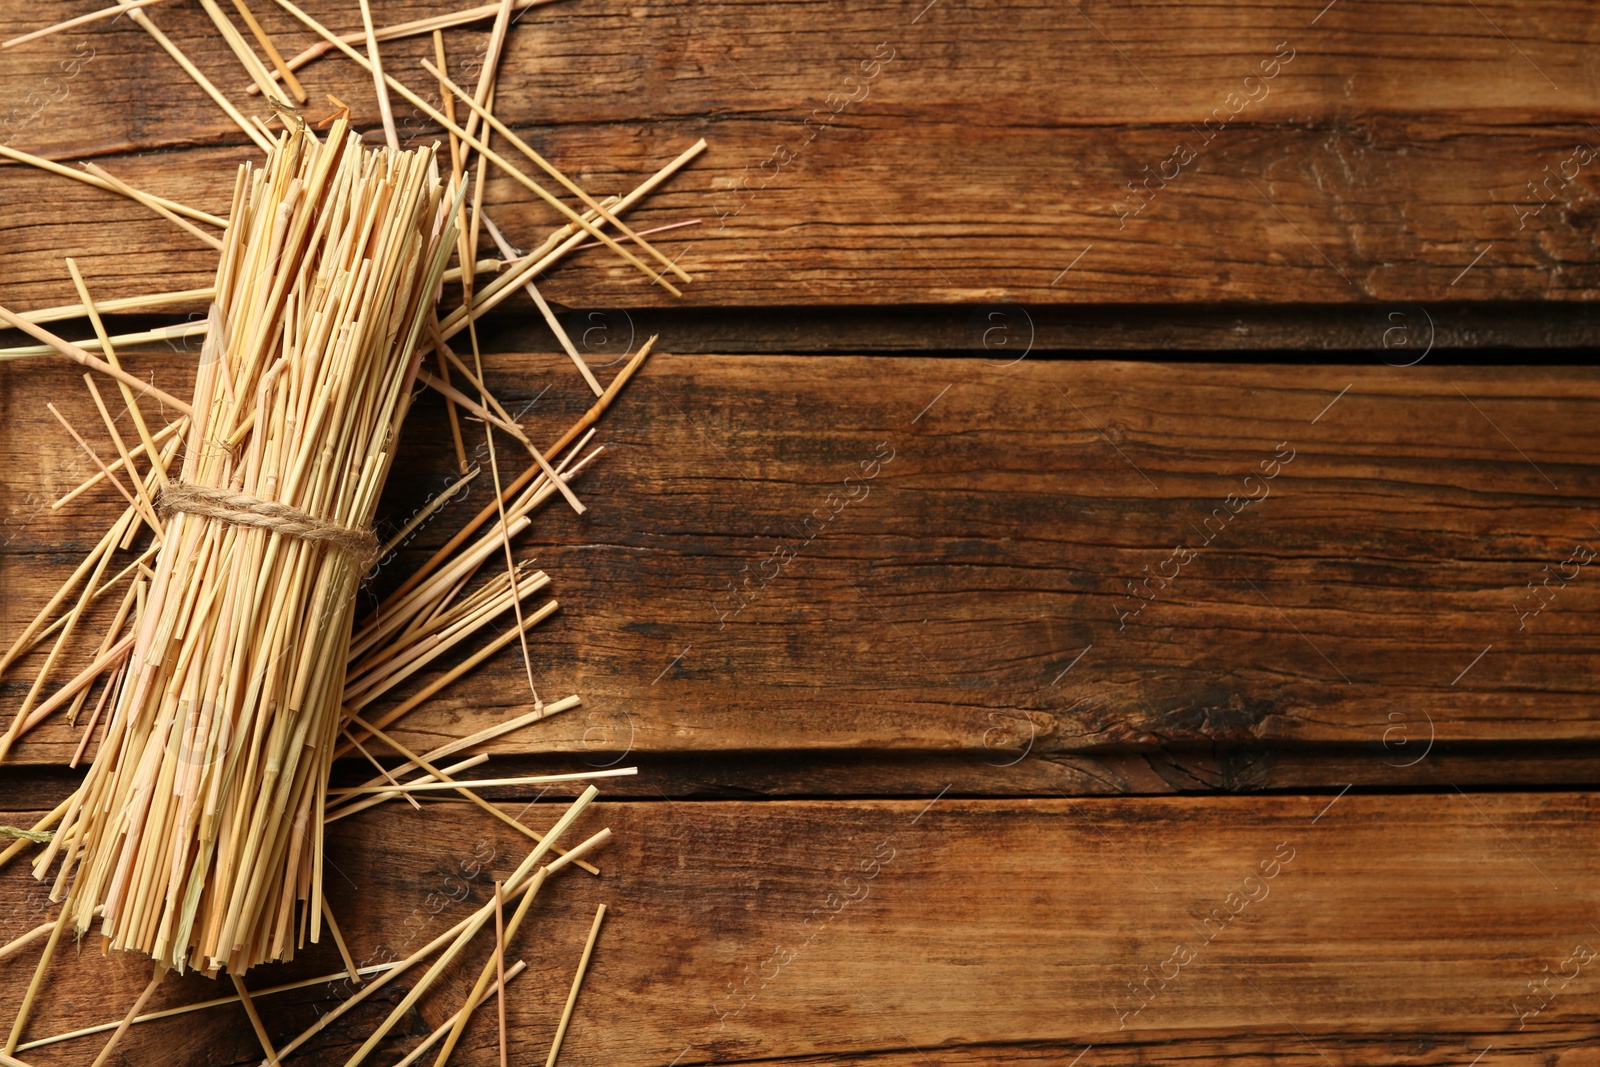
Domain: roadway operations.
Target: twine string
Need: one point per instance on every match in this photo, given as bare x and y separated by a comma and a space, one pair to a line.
242, 509
41, 837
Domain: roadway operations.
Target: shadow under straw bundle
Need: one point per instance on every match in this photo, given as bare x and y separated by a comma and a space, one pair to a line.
198, 829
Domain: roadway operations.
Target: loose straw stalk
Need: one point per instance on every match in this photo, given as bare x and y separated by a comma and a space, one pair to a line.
198, 827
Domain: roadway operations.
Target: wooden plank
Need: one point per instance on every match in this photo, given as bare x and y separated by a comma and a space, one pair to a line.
1150, 771
744, 60
1375, 594
1396, 156
1403, 928
1397, 335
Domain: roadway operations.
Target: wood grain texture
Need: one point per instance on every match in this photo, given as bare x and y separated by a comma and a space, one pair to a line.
973, 600
1394, 649
968, 932
963, 154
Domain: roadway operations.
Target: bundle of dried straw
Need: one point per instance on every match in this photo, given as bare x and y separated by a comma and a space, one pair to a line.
198, 829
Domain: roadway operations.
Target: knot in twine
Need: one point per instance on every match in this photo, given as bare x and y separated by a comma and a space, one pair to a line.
242, 509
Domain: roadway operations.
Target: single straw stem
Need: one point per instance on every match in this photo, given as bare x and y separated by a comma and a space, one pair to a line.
78, 355
577, 982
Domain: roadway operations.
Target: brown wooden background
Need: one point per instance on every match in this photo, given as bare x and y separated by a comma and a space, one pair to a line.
1354, 270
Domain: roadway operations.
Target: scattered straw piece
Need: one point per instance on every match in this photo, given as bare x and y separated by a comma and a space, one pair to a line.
154, 205
344, 950
130, 402
255, 1018
463, 932
127, 1021
12, 948
561, 242
284, 71
505, 165
385, 108
179, 332
81, 20
78, 355
445, 1027
653, 229
407, 29
578, 851
545, 310
235, 40
38, 979
185, 1009
200, 79
485, 783
577, 981
165, 434
88, 179
500, 964
479, 111
125, 303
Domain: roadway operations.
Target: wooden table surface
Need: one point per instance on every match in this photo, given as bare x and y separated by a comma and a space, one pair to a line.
1060, 615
